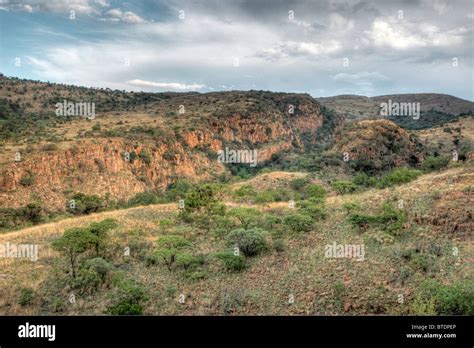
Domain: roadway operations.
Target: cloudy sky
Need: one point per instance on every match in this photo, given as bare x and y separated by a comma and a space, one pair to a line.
322, 48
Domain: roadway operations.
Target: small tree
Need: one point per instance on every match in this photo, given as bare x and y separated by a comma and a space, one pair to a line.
99, 230
73, 243
201, 198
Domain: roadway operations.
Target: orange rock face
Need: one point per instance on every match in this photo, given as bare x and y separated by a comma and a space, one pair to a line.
99, 167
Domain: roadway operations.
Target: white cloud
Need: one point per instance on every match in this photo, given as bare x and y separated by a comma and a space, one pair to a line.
402, 35
293, 48
166, 85
130, 17
116, 14
87, 7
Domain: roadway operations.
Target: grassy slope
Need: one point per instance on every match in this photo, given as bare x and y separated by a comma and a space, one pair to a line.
319, 285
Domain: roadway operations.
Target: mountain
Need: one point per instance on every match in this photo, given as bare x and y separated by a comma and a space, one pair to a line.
435, 109
138, 141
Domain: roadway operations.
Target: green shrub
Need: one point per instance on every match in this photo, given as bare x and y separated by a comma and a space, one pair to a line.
344, 187
362, 179
423, 262
250, 242
26, 296
312, 209
398, 176
173, 242
146, 198
27, 180
247, 217
170, 249
423, 306
186, 260
279, 245
32, 212
245, 191
435, 163
272, 195
455, 299
85, 204
87, 281
98, 265
389, 219
315, 191
232, 262
128, 297
271, 221
298, 222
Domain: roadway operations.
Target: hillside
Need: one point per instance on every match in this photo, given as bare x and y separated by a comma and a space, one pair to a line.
63, 155
378, 145
291, 277
435, 109
133, 210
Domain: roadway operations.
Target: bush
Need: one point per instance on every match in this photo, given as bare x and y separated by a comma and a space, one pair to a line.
435, 163
364, 180
88, 280
170, 249
26, 296
272, 195
27, 180
279, 245
298, 222
128, 296
423, 262
98, 265
186, 260
312, 209
250, 242
247, 217
173, 242
145, 198
200, 199
315, 192
245, 191
32, 212
389, 219
344, 187
85, 204
10, 217
232, 262
455, 299
398, 176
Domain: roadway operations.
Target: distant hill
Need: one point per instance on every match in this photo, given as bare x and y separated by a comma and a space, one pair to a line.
435, 109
